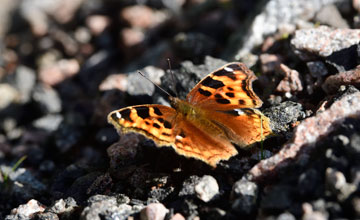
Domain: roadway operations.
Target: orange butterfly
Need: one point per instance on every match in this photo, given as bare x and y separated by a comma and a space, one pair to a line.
218, 111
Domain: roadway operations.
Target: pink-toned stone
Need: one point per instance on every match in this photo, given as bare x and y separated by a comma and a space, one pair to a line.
59, 71
154, 211
291, 81
114, 81
132, 36
29, 209
306, 135
97, 23
333, 82
139, 16
177, 216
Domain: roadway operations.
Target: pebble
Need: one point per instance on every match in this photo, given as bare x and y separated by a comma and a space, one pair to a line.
154, 211
206, 188
27, 210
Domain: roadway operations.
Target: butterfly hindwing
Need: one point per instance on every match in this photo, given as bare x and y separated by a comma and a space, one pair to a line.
208, 145
229, 87
243, 127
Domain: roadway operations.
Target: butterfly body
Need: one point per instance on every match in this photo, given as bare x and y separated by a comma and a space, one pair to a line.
217, 113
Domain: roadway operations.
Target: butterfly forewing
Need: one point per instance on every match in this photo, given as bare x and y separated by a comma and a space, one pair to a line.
154, 121
229, 87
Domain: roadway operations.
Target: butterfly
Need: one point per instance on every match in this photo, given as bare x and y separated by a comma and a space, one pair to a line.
218, 112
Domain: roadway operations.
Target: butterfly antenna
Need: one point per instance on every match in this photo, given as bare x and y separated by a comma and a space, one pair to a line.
153, 83
173, 78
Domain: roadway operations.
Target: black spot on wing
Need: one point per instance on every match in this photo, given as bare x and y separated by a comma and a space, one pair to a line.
222, 101
223, 72
212, 83
230, 88
241, 102
230, 94
204, 92
218, 96
125, 114
161, 120
167, 124
156, 125
157, 111
143, 112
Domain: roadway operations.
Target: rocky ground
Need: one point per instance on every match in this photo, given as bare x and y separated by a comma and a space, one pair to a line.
64, 65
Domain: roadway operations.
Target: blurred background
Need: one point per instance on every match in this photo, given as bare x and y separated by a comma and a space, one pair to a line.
65, 64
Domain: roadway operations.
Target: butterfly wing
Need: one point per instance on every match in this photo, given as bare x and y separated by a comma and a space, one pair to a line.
154, 121
243, 127
207, 142
168, 128
227, 88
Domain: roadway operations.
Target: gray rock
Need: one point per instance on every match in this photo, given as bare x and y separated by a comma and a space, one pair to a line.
281, 116
275, 15
339, 46
47, 216
9, 95
286, 216
207, 188
26, 211
245, 194
330, 15
337, 185
317, 68
63, 207
48, 99
138, 85
24, 81
101, 206
50, 122
188, 187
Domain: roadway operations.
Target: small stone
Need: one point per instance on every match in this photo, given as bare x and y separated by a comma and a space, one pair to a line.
8, 95
177, 216
310, 214
330, 15
245, 194
336, 183
25, 80
48, 99
101, 206
286, 216
29, 209
206, 188
47, 216
97, 23
333, 82
49, 123
317, 68
154, 211
188, 187
291, 81
323, 41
